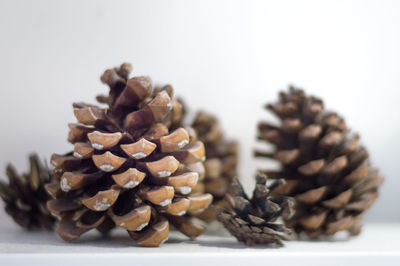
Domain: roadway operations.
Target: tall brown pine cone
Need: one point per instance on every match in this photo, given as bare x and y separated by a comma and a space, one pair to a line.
256, 220
25, 197
128, 168
327, 170
220, 164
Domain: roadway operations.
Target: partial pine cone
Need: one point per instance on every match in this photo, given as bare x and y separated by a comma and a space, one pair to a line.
25, 197
129, 168
257, 220
220, 164
326, 168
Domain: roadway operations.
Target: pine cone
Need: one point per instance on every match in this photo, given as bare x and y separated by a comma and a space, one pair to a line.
327, 170
25, 197
254, 221
220, 164
128, 168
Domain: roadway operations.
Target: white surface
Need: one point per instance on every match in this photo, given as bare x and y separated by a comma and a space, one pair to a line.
379, 243
228, 57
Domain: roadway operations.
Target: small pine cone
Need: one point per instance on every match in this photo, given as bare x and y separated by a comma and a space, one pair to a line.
327, 170
256, 220
25, 197
220, 164
128, 167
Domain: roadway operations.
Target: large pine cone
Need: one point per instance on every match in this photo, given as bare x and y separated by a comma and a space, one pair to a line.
25, 197
128, 168
256, 220
327, 170
220, 164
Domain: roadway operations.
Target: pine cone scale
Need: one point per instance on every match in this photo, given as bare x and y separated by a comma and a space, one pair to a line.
220, 162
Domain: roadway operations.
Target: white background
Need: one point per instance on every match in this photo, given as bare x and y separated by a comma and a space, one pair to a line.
227, 57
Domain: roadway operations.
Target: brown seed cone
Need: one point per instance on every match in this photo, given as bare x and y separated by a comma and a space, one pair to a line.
220, 164
256, 220
128, 167
25, 197
327, 170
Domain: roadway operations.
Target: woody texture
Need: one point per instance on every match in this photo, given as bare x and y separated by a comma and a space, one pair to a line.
257, 220
327, 169
25, 197
132, 165
220, 164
